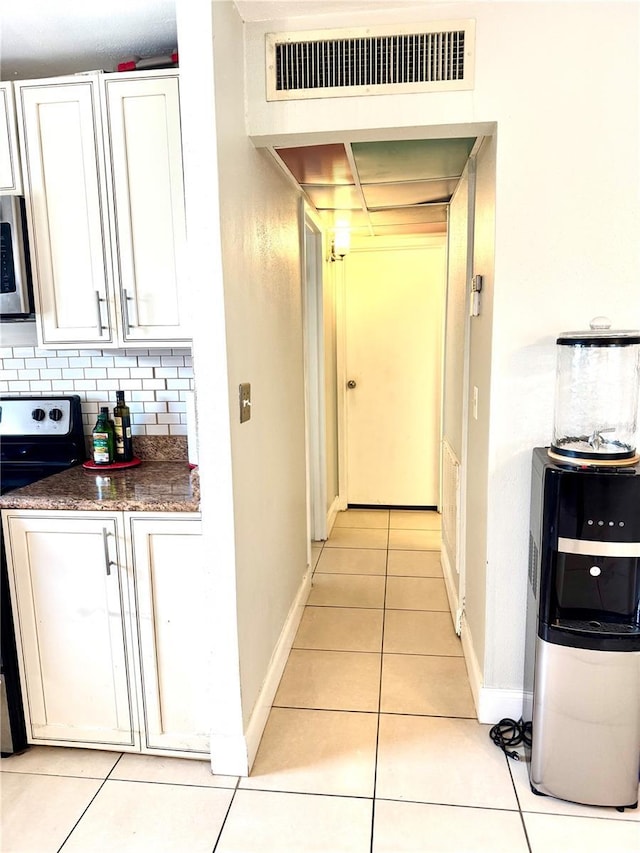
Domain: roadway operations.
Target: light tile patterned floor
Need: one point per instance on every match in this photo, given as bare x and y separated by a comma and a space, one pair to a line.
372, 745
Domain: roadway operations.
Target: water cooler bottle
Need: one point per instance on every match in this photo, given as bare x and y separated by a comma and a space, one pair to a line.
582, 659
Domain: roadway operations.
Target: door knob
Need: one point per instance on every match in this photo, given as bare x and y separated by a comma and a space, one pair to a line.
351, 383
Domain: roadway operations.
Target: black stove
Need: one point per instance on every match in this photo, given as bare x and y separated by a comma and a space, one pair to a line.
39, 436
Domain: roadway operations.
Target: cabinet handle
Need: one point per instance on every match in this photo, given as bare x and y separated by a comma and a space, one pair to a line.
99, 312
127, 319
107, 560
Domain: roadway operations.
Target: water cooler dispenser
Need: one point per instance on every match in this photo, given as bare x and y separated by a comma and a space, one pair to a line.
582, 659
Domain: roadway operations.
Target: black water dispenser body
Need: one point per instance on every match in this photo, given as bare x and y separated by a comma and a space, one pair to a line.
582, 657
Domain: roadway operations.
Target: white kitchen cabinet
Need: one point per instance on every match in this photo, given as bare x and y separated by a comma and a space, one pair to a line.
103, 180
143, 129
10, 173
111, 614
172, 589
71, 608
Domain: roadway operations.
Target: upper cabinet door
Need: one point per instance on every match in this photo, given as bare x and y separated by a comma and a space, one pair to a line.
142, 126
63, 165
10, 174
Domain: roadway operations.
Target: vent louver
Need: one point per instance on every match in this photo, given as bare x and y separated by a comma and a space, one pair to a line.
335, 63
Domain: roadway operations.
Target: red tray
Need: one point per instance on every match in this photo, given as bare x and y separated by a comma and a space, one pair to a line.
113, 466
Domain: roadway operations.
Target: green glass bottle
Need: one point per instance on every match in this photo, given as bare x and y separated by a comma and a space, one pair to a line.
103, 439
122, 429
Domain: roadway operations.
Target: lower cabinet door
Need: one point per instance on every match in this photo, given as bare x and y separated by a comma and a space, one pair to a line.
172, 589
70, 602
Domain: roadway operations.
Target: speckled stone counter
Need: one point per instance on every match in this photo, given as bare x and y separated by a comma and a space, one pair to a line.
150, 487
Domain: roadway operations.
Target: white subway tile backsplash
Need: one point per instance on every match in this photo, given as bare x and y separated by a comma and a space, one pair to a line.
155, 382
157, 429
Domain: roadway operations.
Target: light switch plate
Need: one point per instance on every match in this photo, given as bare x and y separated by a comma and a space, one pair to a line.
245, 402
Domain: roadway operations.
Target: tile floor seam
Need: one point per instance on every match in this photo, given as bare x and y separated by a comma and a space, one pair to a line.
226, 816
83, 813
377, 744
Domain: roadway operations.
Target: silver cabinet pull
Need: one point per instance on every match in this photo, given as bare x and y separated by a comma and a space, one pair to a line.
127, 318
99, 312
108, 562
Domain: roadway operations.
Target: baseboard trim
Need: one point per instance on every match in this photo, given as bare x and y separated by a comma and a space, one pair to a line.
261, 709
334, 509
229, 755
450, 587
492, 704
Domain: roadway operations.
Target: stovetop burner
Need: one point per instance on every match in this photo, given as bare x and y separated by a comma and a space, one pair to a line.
39, 436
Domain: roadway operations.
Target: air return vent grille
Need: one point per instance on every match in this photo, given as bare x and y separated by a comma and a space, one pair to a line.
335, 63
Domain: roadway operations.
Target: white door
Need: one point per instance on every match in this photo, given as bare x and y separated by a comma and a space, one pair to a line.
394, 317
173, 614
70, 597
143, 127
66, 203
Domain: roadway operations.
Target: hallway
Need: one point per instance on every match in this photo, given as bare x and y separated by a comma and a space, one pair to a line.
371, 746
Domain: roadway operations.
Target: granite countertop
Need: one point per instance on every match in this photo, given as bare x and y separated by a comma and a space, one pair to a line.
149, 487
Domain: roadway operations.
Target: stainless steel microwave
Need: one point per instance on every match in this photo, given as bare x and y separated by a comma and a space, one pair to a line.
16, 292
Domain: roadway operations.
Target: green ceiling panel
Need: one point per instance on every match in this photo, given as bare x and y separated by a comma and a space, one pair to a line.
411, 159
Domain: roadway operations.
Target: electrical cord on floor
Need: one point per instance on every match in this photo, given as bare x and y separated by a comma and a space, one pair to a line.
508, 733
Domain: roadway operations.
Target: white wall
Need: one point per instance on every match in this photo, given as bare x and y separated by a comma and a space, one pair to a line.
566, 227
263, 308
244, 250
204, 258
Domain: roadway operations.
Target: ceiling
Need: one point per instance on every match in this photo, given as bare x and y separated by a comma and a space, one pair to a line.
379, 188
41, 38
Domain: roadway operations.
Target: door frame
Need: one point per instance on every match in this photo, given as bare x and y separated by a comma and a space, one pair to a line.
312, 251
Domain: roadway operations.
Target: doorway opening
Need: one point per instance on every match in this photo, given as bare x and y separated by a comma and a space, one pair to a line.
393, 209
